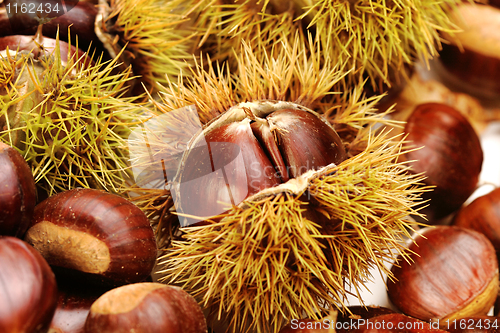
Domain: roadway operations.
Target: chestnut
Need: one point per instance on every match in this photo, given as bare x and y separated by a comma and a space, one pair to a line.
94, 234
451, 272
39, 45
470, 62
28, 288
483, 215
449, 154
75, 22
254, 146
146, 307
17, 192
73, 306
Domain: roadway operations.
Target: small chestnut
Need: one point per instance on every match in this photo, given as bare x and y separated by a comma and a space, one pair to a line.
450, 155
73, 306
483, 215
17, 192
94, 234
28, 288
75, 22
146, 307
451, 272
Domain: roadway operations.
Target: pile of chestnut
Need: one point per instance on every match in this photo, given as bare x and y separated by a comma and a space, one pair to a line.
80, 261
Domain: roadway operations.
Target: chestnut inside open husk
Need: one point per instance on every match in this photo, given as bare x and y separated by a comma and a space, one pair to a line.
452, 273
259, 146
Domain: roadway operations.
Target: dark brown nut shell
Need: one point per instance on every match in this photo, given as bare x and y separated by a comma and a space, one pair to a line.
482, 215
73, 306
450, 156
79, 17
28, 289
96, 233
146, 308
452, 272
18, 193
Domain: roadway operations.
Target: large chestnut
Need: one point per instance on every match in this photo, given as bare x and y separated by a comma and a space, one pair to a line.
17, 192
96, 234
28, 289
146, 308
451, 272
254, 146
450, 155
483, 215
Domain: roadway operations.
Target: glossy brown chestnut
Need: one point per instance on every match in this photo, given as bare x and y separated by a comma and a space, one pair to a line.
17, 192
28, 289
146, 308
73, 306
451, 157
237, 157
483, 215
75, 23
471, 63
452, 273
94, 233
42, 46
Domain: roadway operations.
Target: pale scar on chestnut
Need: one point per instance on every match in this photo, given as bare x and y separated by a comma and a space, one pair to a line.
123, 300
69, 248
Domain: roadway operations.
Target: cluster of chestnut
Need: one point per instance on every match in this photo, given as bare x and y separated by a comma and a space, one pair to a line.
80, 261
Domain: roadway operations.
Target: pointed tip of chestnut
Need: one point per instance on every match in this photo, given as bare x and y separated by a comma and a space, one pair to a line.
28, 292
94, 234
18, 192
452, 272
146, 307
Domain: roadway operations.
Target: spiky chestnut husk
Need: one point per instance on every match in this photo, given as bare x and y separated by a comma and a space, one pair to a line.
297, 246
66, 116
295, 71
278, 253
158, 43
376, 39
